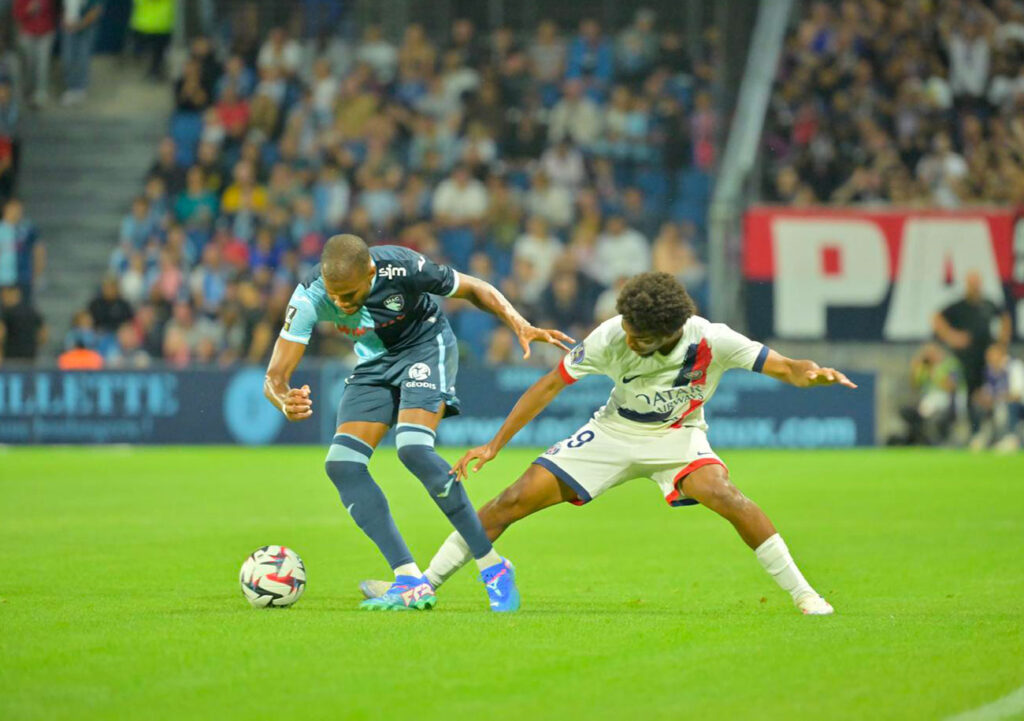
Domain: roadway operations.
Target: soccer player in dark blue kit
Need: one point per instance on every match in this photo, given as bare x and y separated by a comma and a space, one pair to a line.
408, 361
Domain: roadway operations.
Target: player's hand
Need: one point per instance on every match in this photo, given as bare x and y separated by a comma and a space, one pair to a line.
481, 454
297, 404
527, 334
828, 377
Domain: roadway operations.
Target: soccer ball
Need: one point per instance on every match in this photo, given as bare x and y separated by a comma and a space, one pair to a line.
273, 576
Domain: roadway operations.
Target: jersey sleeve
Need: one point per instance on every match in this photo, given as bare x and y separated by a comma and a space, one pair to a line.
735, 350
299, 318
586, 358
427, 276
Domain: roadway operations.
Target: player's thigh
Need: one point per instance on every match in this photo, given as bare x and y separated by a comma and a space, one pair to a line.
367, 411
422, 416
590, 461
425, 376
710, 486
674, 456
536, 489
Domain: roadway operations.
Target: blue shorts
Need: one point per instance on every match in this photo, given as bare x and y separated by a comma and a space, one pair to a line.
422, 376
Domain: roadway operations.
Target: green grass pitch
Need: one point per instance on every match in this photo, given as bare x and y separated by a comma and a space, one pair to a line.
119, 596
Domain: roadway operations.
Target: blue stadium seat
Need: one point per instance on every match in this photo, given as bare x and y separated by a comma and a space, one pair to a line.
458, 245
186, 129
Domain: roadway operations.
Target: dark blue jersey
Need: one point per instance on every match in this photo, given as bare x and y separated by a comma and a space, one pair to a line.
398, 312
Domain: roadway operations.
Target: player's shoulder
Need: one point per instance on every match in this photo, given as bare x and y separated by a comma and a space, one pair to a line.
396, 263
698, 328
608, 333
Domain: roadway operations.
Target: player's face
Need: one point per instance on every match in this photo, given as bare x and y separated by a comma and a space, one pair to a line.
350, 292
647, 344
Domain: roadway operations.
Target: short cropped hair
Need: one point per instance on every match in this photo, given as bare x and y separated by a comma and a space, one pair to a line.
343, 255
655, 303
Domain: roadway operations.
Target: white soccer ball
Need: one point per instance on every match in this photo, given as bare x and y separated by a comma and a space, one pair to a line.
273, 576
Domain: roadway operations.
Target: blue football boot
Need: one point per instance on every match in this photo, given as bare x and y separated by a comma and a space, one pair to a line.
500, 581
407, 593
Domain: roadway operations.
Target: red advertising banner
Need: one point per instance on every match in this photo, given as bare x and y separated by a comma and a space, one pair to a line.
852, 274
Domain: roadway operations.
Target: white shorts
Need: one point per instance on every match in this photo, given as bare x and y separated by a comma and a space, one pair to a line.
595, 459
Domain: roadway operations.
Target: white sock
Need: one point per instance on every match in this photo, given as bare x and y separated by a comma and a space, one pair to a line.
408, 569
450, 557
485, 562
775, 559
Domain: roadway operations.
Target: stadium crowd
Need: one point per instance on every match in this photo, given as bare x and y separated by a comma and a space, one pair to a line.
914, 103
552, 165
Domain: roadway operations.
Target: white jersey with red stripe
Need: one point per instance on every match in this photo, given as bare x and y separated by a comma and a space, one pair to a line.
660, 392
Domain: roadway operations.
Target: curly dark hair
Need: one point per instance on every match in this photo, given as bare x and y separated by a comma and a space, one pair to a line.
655, 303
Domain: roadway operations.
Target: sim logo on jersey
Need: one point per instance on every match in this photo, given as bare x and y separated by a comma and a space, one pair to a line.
392, 271
419, 372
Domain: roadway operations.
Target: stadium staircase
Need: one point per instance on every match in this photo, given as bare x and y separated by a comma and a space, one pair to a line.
81, 167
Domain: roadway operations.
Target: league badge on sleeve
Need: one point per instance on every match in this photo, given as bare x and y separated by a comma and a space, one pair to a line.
289, 315
576, 354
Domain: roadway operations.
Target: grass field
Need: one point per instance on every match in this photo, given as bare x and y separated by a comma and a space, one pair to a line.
119, 597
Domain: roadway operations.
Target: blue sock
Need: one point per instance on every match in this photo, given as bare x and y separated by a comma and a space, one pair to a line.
416, 450
362, 497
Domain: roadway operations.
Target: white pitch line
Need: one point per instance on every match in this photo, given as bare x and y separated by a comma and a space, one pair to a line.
1009, 705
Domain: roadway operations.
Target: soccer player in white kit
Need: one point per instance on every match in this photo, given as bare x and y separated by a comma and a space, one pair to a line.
666, 362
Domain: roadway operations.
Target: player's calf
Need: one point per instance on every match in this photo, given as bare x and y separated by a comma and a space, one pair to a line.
346, 466
416, 451
711, 486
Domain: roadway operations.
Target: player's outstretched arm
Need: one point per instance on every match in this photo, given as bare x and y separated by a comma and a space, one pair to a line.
486, 297
533, 401
803, 373
295, 403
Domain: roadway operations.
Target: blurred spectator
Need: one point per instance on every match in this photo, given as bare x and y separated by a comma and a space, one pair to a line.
575, 117
538, 249
378, 53
549, 201
936, 379
281, 53
637, 48
998, 402
238, 77
127, 352
22, 330
460, 200
195, 206
108, 309
82, 332
564, 165
672, 252
8, 255
941, 171
36, 21
80, 358
134, 281
569, 301
190, 94
590, 59
166, 167
152, 22
19, 233
79, 28
547, 57
621, 252
966, 328
10, 115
